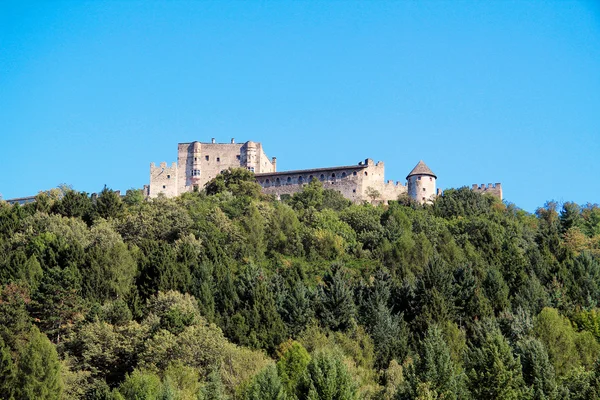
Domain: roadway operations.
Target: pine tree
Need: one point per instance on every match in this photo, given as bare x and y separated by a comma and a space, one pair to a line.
327, 378
493, 372
266, 385
434, 370
538, 371
336, 301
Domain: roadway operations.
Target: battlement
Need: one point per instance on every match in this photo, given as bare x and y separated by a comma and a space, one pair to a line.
494, 189
199, 162
392, 183
489, 186
163, 165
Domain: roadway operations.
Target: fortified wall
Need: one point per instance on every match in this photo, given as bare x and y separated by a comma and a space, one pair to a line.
356, 182
198, 163
491, 189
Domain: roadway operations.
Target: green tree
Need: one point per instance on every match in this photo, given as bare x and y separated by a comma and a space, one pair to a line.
73, 204
39, 373
7, 372
108, 204
297, 309
493, 372
567, 349
238, 181
434, 368
213, 389
336, 302
292, 366
538, 372
141, 385
266, 385
311, 196
326, 378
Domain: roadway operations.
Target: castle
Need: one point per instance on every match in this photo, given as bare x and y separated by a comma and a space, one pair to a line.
198, 163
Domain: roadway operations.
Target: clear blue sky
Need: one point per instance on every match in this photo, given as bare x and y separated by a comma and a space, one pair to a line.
482, 91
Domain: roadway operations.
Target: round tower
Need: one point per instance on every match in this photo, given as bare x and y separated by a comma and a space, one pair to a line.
421, 183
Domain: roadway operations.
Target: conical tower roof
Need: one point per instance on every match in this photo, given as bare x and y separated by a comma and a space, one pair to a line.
421, 169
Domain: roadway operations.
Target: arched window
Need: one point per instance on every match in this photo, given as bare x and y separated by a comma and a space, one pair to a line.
322, 177
277, 182
333, 175
289, 180
354, 173
267, 183
300, 179
366, 173
310, 178
343, 174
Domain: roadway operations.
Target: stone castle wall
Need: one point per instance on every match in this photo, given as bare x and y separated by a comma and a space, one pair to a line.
354, 182
198, 163
164, 180
491, 189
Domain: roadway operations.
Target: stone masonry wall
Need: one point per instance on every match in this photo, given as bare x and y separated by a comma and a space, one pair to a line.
163, 180
491, 189
353, 182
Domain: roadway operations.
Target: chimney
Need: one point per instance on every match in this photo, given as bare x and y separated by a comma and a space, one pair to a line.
274, 162
232, 140
213, 140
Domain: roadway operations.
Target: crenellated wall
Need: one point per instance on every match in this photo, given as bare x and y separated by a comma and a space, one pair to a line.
491, 189
163, 179
198, 163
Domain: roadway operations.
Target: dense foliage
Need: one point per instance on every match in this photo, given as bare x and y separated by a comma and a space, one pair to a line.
231, 294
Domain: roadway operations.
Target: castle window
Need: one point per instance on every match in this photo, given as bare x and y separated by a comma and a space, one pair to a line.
430, 178
333, 175
277, 182
353, 190
354, 173
418, 178
310, 178
267, 183
366, 173
164, 187
168, 176
238, 156
195, 158
218, 159
207, 158
289, 180
322, 177
423, 198
300, 179
343, 174
424, 189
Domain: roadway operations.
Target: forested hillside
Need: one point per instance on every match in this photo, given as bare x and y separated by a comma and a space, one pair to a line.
229, 294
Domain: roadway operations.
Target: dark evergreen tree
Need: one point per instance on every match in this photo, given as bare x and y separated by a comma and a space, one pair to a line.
336, 308
492, 370
434, 369
538, 371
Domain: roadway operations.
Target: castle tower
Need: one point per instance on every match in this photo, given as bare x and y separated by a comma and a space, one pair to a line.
421, 183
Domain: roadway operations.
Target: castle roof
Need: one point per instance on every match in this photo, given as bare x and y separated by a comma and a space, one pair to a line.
421, 169
308, 171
